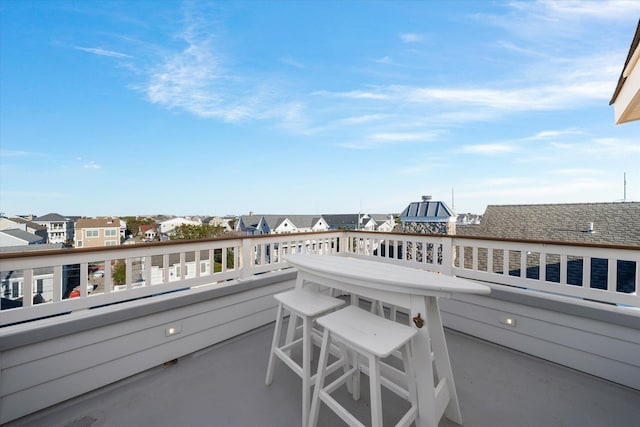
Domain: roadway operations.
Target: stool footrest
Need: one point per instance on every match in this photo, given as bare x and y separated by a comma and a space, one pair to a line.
339, 410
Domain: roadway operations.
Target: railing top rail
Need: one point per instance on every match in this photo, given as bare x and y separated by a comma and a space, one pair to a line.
548, 242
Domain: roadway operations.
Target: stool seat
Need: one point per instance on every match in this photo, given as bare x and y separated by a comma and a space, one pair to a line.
308, 305
305, 302
368, 332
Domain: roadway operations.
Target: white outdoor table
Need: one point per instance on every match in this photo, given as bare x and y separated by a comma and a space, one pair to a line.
413, 289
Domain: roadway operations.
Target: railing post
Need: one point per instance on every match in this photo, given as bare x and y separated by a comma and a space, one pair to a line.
246, 258
448, 256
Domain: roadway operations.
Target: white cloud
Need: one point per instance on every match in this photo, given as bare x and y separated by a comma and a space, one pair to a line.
91, 165
354, 94
487, 149
383, 60
18, 153
402, 137
290, 61
580, 9
411, 38
549, 134
103, 52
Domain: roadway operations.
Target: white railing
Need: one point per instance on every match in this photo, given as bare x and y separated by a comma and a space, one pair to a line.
600, 273
112, 275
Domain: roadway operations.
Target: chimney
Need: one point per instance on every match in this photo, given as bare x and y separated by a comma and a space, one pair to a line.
426, 198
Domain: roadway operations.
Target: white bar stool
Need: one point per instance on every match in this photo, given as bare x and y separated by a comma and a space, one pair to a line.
308, 305
375, 338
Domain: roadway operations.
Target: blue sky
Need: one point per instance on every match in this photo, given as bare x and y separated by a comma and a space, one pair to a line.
145, 107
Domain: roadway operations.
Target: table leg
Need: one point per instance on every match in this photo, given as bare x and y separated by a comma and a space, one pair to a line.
423, 369
442, 361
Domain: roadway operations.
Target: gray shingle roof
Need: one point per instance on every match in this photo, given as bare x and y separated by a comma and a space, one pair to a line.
342, 220
23, 235
614, 223
50, 217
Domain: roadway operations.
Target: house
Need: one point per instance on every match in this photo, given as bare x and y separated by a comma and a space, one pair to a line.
60, 229
611, 223
29, 226
97, 232
167, 226
149, 231
278, 224
384, 223
17, 237
626, 97
216, 221
428, 217
350, 222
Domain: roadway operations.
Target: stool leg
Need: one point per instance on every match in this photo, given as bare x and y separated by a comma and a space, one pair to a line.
322, 371
344, 355
374, 389
274, 344
355, 357
291, 330
307, 340
407, 359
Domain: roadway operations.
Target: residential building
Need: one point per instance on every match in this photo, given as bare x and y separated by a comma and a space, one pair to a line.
626, 97
384, 222
17, 237
278, 224
149, 231
167, 226
59, 228
17, 222
97, 232
217, 221
350, 222
428, 217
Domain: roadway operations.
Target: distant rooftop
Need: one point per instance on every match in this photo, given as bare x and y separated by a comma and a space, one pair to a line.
614, 223
50, 217
427, 210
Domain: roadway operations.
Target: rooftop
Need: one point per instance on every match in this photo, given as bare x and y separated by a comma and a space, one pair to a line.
224, 385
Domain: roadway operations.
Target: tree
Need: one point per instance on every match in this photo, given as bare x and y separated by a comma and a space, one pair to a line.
134, 223
193, 232
119, 274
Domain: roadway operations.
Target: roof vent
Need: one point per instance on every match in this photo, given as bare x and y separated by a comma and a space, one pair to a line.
426, 198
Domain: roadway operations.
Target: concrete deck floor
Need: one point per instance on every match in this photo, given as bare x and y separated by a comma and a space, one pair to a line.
224, 386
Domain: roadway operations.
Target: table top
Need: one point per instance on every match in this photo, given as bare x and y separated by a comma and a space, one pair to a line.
385, 276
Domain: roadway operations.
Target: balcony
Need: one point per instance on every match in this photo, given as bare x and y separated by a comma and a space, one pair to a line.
555, 343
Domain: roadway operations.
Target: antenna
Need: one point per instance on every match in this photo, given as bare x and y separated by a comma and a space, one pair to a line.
625, 187
453, 204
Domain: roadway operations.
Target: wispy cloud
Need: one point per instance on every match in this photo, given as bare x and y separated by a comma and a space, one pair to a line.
488, 149
402, 137
103, 52
354, 94
91, 165
290, 61
195, 79
19, 153
383, 60
551, 134
411, 37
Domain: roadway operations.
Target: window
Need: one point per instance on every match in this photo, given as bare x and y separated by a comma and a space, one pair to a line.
110, 243
110, 232
92, 233
79, 244
16, 289
39, 286
203, 267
